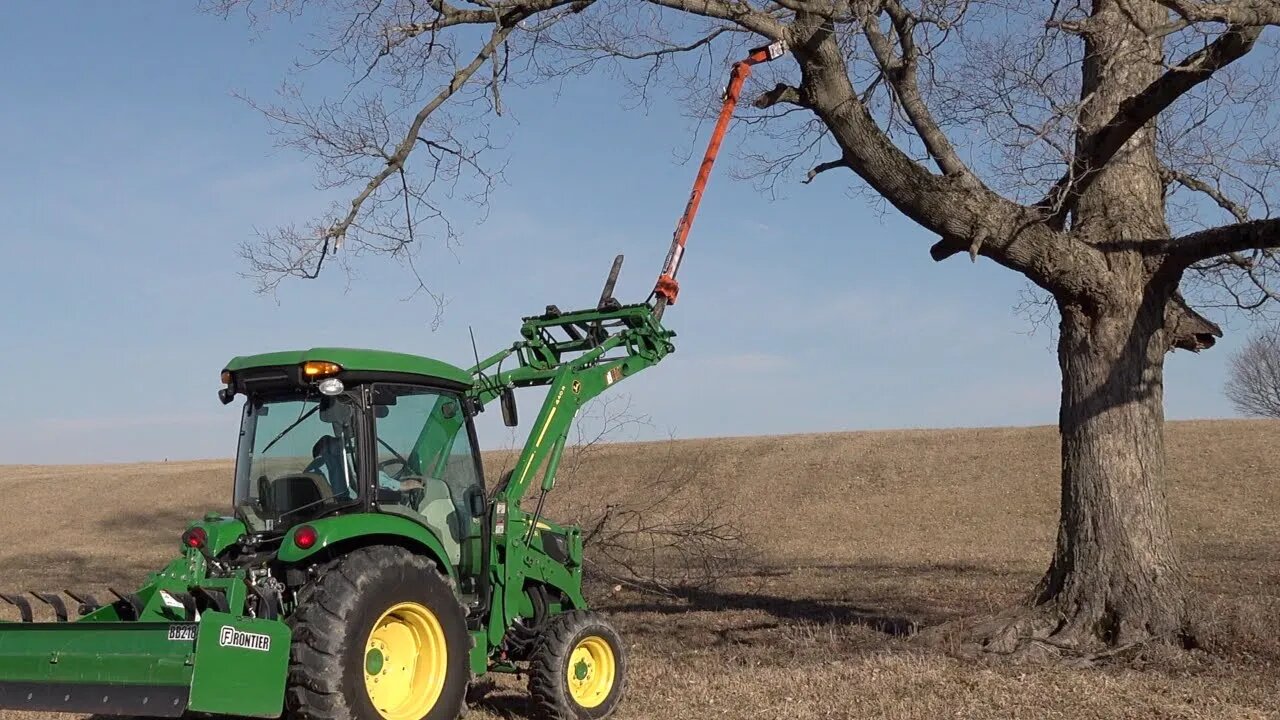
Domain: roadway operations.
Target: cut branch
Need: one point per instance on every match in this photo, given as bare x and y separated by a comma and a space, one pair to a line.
824, 167
1187, 329
779, 94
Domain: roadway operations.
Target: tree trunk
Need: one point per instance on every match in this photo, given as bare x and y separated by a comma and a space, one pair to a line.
1115, 576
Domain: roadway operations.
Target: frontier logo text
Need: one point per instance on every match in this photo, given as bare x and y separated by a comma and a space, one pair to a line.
231, 637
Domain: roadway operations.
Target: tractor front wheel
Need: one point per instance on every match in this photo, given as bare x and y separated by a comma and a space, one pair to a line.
579, 668
380, 636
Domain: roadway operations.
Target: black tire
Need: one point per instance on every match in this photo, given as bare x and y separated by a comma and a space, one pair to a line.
550, 672
336, 616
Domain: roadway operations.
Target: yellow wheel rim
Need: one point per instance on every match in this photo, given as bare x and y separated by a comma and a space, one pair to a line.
592, 670
405, 660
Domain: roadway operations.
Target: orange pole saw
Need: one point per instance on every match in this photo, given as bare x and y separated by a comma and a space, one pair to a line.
667, 288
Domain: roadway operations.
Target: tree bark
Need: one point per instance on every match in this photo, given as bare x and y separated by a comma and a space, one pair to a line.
1115, 577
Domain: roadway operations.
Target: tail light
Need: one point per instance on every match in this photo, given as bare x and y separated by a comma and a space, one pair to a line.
196, 538
305, 537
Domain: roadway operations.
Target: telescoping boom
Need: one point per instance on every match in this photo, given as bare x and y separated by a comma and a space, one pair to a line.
667, 288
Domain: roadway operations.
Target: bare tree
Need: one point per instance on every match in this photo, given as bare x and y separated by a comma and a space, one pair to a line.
1095, 147
1254, 384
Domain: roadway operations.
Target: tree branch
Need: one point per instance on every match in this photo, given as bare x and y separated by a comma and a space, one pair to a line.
495, 13
735, 11
1194, 183
1133, 114
902, 71
1252, 235
395, 163
1250, 13
1013, 235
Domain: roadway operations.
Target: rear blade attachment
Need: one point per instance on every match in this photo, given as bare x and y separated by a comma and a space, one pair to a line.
222, 664
107, 668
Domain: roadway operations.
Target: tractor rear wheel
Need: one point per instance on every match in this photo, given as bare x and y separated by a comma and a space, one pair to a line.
380, 636
579, 668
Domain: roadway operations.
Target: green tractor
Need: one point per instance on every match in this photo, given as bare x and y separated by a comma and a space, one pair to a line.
365, 572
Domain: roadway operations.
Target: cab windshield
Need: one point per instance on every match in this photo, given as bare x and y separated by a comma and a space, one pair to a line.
297, 459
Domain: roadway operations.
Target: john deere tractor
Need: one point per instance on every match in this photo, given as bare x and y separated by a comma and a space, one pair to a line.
366, 570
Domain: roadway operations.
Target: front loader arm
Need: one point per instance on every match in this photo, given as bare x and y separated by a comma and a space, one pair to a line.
576, 356
601, 347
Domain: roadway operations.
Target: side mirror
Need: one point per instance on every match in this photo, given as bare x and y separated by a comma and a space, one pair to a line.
510, 417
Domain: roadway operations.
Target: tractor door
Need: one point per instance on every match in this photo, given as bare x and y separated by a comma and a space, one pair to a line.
428, 468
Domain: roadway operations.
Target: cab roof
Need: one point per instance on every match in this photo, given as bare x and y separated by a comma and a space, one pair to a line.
358, 360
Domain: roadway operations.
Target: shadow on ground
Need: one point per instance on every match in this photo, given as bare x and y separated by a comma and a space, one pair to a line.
788, 609
891, 599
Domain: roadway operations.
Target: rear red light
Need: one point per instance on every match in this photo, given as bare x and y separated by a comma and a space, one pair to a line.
196, 537
305, 537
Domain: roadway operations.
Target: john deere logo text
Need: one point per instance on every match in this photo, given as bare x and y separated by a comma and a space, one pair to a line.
231, 637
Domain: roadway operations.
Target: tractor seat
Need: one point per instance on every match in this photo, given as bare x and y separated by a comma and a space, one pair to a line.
298, 490
438, 510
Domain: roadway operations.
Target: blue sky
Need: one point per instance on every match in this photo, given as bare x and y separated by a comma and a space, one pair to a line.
131, 175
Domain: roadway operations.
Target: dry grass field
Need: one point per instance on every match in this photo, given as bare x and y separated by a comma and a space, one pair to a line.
858, 536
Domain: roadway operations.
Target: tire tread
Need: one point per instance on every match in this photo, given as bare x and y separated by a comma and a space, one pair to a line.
548, 688
315, 674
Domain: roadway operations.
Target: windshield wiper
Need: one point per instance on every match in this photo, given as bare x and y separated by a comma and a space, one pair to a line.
293, 425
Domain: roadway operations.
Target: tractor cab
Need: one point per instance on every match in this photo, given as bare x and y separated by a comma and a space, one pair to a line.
330, 431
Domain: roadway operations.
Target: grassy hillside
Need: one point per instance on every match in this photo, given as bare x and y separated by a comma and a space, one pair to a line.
856, 533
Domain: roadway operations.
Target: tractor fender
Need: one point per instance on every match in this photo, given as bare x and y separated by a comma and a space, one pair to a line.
341, 534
